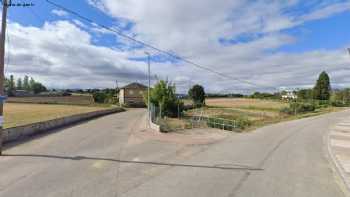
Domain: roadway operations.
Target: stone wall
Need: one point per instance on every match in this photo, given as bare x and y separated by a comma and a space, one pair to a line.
16, 133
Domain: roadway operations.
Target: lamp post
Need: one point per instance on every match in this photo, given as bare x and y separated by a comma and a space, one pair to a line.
149, 86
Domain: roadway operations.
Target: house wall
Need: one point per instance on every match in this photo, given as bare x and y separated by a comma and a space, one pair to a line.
133, 96
121, 96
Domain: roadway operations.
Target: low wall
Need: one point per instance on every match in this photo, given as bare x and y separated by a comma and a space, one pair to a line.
154, 126
16, 133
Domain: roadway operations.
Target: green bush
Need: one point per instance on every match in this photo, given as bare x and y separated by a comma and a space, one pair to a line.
99, 97
243, 123
163, 97
299, 108
339, 104
230, 125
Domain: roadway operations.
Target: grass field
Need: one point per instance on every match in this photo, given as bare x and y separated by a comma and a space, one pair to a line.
257, 112
66, 100
17, 114
245, 103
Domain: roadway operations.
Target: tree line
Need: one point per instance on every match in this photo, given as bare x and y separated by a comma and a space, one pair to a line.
27, 84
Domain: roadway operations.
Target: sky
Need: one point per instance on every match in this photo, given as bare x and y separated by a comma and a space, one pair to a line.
263, 45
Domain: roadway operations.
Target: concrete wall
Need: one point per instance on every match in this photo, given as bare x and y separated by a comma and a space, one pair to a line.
121, 97
154, 126
16, 133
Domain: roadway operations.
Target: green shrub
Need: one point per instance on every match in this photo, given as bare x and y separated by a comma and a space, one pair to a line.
99, 97
230, 125
299, 108
163, 97
339, 104
243, 123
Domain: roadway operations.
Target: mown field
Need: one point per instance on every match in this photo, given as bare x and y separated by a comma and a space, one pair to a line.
254, 111
250, 113
66, 100
17, 114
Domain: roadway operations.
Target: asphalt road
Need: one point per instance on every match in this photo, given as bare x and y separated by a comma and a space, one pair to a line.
104, 158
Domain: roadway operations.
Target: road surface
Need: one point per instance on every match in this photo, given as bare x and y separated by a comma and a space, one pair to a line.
105, 157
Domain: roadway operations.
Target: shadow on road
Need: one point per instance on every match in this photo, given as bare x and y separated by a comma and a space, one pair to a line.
78, 158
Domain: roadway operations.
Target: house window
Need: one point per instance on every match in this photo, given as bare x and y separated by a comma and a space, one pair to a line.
131, 92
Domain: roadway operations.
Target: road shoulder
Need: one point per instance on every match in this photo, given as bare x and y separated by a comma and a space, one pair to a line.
338, 145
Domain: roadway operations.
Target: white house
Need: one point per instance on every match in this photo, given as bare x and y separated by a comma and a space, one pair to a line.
289, 95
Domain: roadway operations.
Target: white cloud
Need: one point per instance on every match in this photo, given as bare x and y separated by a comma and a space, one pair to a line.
59, 12
327, 11
192, 29
53, 54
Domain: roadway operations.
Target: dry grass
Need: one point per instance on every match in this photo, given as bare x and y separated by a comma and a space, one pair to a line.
258, 112
67, 100
251, 109
245, 103
17, 114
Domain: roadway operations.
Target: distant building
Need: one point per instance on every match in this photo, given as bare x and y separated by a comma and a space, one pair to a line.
132, 95
289, 95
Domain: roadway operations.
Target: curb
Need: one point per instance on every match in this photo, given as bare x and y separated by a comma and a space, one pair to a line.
338, 167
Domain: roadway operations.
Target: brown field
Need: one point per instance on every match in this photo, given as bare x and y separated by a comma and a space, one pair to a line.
245, 103
67, 100
234, 108
257, 111
17, 114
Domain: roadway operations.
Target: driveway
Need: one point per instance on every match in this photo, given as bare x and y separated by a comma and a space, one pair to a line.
114, 156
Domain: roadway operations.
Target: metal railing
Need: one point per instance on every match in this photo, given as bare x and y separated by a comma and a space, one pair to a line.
219, 123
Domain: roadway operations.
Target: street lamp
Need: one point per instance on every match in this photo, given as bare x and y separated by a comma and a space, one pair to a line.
149, 86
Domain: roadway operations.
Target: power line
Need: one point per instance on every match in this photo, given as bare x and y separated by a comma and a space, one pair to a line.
36, 15
177, 57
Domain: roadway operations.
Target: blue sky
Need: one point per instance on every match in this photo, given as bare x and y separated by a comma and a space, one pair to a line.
250, 40
330, 33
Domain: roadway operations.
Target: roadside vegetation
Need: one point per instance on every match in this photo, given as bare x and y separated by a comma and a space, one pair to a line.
27, 84
245, 112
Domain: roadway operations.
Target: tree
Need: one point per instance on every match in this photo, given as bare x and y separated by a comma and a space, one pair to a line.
163, 96
99, 97
31, 84
197, 94
322, 88
26, 85
305, 94
19, 84
38, 87
11, 86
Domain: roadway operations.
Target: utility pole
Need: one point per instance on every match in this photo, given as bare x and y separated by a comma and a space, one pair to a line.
2, 65
149, 86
